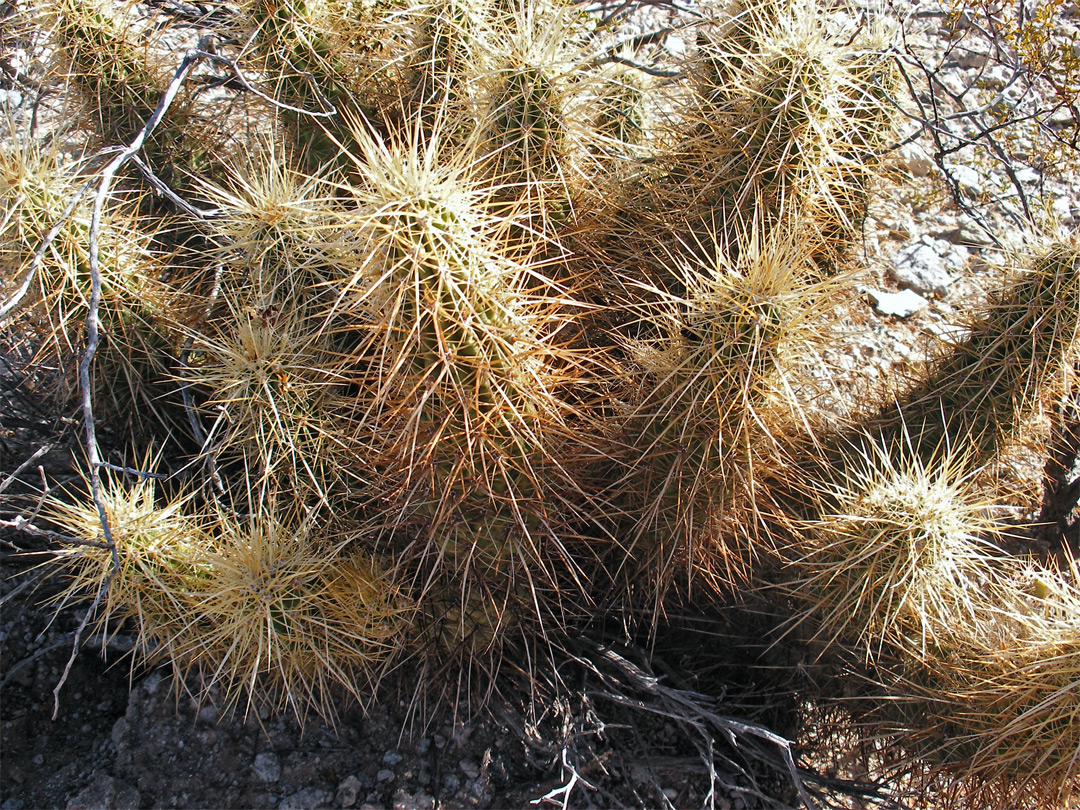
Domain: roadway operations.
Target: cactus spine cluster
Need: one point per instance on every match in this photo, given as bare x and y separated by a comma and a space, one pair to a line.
489, 331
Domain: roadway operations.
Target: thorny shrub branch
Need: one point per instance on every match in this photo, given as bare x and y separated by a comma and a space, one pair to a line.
1030, 66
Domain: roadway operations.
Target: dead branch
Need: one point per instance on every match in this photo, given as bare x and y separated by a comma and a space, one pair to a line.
45, 448
39, 256
21, 524
204, 52
197, 429
93, 337
629, 684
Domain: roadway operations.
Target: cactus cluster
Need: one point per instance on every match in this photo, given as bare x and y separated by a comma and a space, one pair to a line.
495, 325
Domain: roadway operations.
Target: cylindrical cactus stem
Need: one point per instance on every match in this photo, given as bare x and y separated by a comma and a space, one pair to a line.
620, 110
453, 398
262, 378
326, 61
468, 642
699, 430
692, 519
117, 72
977, 393
261, 367
780, 118
536, 120
526, 119
728, 38
445, 53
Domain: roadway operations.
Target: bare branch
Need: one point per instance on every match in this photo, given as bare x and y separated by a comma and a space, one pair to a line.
162, 188
329, 110
651, 71
185, 391
696, 710
21, 524
37, 454
954, 121
133, 471
93, 331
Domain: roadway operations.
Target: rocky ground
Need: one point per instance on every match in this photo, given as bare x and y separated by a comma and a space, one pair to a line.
123, 739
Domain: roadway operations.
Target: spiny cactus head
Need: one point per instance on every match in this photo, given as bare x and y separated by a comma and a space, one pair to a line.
43, 189
159, 557
798, 80
734, 313
408, 179
430, 250
704, 416
994, 716
1048, 287
904, 555
39, 184
288, 617
29, 169
264, 376
439, 293
36, 184
1028, 337
274, 233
